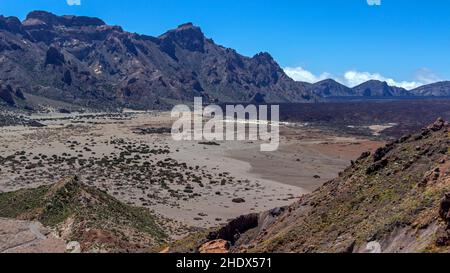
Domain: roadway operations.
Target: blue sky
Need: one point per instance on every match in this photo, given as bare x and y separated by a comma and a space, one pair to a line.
406, 42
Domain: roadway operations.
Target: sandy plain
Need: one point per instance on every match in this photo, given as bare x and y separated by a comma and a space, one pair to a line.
133, 157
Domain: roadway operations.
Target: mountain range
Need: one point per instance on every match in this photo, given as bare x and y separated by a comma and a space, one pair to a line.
83, 61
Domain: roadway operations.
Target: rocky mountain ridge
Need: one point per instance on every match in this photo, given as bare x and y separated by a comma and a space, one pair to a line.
83, 61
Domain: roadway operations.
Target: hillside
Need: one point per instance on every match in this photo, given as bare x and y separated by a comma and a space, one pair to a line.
86, 215
394, 199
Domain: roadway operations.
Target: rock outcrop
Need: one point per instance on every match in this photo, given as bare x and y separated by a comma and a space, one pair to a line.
54, 57
215, 247
232, 231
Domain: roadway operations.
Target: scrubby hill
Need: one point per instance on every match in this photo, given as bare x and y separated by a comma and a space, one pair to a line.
86, 215
393, 200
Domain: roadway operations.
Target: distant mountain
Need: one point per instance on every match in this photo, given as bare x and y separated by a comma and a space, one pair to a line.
330, 88
374, 88
84, 61
435, 89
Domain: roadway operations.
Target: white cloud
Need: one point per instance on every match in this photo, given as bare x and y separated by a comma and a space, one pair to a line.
300, 74
374, 2
353, 78
73, 2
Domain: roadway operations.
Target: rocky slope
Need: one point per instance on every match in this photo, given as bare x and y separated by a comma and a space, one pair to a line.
394, 200
83, 60
85, 215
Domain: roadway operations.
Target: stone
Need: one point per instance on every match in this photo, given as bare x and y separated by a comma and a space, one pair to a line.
215, 247
238, 200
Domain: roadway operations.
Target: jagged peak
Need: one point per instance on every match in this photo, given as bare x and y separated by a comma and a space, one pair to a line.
186, 26
263, 56
183, 28
187, 36
66, 20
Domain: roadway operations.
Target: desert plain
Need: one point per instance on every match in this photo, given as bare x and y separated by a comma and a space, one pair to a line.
188, 184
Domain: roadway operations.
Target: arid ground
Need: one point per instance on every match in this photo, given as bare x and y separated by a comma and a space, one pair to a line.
188, 184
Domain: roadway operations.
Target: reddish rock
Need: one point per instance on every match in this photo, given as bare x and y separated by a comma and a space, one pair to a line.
216, 246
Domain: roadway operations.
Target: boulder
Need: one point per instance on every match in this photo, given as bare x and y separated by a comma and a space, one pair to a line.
215, 247
238, 200
377, 166
437, 125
